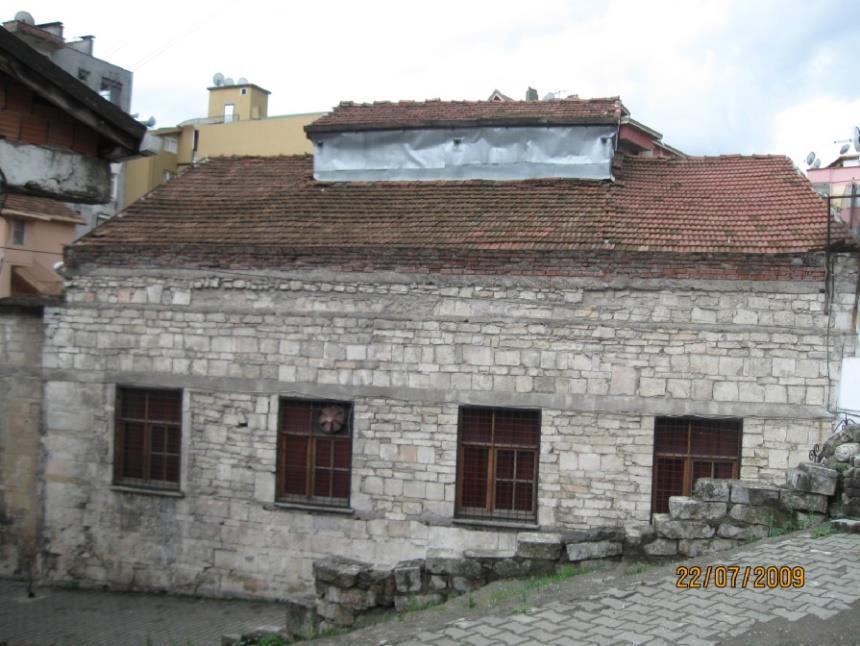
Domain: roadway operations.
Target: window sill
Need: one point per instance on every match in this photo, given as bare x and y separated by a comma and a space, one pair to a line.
322, 509
146, 491
496, 524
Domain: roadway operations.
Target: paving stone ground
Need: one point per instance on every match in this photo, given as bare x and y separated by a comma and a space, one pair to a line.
654, 611
57, 617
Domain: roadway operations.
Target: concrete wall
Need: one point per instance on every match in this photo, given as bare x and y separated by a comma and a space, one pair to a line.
600, 358
21, 336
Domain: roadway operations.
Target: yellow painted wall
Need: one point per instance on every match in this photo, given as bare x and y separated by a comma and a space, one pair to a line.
273, 136
253, 105
145, 173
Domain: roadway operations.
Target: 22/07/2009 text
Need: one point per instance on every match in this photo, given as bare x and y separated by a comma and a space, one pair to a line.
757, 577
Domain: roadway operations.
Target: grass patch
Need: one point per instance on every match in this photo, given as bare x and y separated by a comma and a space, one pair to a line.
825, 529
415, 604
533, 584
637, 568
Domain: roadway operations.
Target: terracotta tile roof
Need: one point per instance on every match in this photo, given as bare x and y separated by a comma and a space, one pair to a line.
40, 207
443, 114
736, 204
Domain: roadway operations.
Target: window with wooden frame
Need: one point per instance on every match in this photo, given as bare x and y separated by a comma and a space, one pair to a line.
689, 448
148, 437
314, 452
497, 463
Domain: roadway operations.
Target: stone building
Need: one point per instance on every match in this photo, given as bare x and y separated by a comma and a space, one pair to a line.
445, 328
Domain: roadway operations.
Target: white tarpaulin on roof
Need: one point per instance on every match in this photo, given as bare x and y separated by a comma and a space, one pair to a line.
492, 153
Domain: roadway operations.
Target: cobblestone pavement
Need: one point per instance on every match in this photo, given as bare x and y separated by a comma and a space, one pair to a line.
58, 617
656, 612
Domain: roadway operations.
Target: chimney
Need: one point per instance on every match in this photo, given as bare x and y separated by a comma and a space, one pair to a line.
531, 94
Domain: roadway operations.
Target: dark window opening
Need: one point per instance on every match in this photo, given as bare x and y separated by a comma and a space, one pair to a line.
314, 452
497, 463
110, 90
19, 232
689, 448
148, 437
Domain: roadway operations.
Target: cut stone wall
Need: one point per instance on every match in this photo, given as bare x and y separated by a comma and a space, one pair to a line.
600, 358
21, 335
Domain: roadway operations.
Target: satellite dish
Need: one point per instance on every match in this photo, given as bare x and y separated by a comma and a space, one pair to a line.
844, 149
218, 79
150, 122
817, 163
242, 81
856, 139
228, 81
25, 17
810, 158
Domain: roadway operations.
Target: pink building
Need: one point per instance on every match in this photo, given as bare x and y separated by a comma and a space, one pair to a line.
837, 180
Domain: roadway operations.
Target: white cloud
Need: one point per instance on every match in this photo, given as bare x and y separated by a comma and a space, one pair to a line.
711, 75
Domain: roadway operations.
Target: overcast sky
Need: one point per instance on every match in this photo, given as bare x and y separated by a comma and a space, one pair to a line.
713, 77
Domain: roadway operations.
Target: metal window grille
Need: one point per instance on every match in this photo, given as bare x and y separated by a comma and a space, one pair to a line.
314, 452
148, 437
498, 452
689, 448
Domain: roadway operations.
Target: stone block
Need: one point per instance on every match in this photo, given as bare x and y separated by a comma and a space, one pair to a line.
438, 583
758, 515
335, 613
509, 569
675, 529
685, 508
533, 545
339, 571
799, 500
846, 452
821, 479
661, 547
754, 493
848, 434
847, 525
623, 381
352, 598
694, 548
638, 534
851, 507
407, 579
611, 533
586, 551
302, 618
797, 480
742, 532
712, 489
452, 565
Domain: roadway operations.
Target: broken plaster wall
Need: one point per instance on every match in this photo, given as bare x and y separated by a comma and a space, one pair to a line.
21, 336
601, 359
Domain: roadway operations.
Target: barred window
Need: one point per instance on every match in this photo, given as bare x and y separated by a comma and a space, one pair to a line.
689, 448
314, 452
498, 452
148, 437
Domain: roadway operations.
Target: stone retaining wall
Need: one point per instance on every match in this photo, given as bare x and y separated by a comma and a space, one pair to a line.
720, 515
